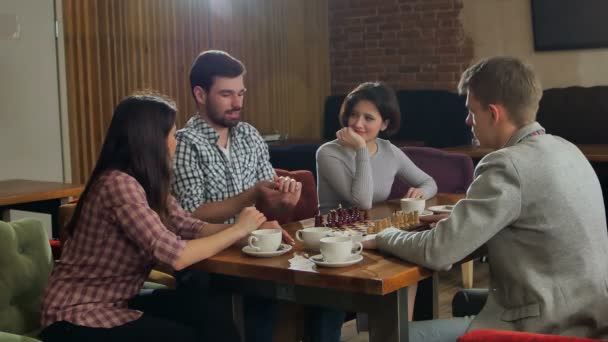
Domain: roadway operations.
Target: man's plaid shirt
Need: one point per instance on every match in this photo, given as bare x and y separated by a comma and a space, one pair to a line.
203, 173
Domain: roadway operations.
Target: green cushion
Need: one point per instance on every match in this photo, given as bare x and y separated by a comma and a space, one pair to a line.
26, 263
148, 285
6, 337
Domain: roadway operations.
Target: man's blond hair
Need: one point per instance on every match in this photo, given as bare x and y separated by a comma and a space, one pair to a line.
506, 81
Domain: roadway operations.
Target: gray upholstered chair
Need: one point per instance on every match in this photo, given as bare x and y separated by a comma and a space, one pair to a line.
453, 173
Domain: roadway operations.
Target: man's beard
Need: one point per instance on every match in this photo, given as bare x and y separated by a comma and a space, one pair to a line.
220, 119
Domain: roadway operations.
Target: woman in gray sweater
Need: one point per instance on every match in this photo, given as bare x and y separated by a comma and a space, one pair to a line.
358, 168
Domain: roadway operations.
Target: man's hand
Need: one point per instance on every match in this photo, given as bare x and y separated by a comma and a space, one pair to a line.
284, 193
369, 242
265, 186
291, 190
433, 218
275, 225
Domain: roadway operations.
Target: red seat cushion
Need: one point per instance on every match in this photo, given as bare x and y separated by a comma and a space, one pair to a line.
55, 248
514, 336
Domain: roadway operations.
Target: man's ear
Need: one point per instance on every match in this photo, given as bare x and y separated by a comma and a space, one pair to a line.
497, 112
199, 95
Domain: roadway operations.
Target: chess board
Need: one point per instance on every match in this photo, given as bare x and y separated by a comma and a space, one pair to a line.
365, 227
357, 221
359, 227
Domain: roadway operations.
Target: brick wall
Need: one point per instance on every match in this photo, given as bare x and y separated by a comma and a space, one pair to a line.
410, 44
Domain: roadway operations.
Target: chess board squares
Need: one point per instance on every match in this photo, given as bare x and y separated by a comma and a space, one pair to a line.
399, 219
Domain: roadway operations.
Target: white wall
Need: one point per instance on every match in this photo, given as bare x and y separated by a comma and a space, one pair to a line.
30, 123
504, 27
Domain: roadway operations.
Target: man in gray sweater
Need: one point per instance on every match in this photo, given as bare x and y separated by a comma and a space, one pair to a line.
537, 205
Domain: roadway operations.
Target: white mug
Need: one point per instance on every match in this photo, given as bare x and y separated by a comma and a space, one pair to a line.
339, 248
355, 236
265, 240
312, 236
413, 204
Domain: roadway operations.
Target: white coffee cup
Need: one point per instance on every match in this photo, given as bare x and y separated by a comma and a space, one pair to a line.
312, 236
355, 236
413, 204
265, 240
339, 248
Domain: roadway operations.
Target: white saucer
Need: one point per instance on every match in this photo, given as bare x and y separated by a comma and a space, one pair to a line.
441, 209
425, 213
353, 259
283, 248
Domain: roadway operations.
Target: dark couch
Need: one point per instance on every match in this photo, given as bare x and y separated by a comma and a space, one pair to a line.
578, 114
434, 118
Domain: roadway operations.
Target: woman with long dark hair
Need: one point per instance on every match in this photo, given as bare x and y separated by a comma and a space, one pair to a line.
124, 223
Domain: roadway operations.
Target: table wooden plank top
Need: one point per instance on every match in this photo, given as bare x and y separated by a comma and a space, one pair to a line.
17, 191
594, 152
377, 274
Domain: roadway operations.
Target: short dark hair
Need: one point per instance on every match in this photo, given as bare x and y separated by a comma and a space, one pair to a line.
213, 63
382, 96
504, 80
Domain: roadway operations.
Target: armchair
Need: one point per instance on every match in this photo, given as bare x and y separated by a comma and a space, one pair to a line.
452, 172
26, 264
483, 335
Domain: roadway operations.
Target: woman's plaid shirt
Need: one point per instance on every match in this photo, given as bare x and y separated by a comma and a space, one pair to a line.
116, 242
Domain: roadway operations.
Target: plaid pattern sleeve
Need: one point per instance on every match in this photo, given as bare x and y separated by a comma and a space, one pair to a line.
182, 222
141, 224
265, 171
188, 182
116, 241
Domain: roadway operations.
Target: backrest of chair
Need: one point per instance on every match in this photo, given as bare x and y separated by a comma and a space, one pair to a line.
453, 172
26, 263
295, 156
309, 203
66, 211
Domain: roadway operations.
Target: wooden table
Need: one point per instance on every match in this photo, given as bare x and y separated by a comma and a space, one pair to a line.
597, 153
377, 285
36, 196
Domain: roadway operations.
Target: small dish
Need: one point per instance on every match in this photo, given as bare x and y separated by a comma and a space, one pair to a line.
319, 261
442, 209
425, 213
283, 248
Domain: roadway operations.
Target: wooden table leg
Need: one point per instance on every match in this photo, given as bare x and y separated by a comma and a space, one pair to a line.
387, 314
467, 274
388, 321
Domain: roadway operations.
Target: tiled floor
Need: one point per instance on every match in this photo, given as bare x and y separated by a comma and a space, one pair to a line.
449, 283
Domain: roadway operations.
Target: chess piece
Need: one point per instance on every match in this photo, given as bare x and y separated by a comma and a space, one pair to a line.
349, 215
319, 219
331, 218
357, 214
